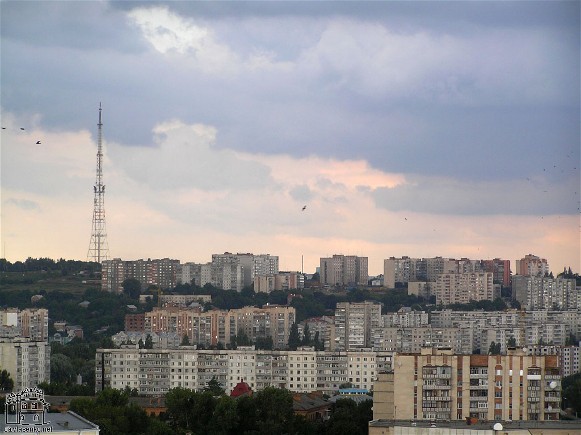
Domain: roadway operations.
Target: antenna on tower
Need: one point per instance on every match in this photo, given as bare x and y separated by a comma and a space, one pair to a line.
98, 247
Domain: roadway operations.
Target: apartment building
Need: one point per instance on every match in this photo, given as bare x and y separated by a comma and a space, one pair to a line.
251, 265
281, 281
354, 322
544, 293
413, 339
344, 270
476, 330
155, 371
324, 326
569, 356
405, 269
531, 265
405, 317
220, 326
30, 323
160, 272
24, 348
461, 288
437, 384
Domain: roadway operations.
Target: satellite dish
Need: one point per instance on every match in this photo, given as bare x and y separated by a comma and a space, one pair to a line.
497, 426
553, 385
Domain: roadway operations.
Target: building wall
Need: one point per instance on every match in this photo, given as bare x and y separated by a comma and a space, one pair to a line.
437, 384
354, 322
452, 288
28, 362
155, 371
344, 270
531, 265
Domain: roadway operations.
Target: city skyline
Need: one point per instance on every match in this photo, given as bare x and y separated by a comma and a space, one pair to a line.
407, 129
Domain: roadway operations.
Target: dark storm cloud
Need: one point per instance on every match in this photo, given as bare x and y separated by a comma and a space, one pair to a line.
472, 90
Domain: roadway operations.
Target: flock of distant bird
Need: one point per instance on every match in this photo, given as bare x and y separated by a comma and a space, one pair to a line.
22, 128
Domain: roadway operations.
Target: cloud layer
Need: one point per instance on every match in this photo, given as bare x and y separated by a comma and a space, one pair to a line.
406, 130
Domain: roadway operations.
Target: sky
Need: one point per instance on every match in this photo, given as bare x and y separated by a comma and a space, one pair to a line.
416, 129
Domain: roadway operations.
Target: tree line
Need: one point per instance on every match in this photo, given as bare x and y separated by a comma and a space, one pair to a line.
269, 411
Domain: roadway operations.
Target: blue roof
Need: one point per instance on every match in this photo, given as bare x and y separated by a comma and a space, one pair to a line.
353, 391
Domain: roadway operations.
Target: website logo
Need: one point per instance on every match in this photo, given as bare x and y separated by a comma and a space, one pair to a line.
25, 411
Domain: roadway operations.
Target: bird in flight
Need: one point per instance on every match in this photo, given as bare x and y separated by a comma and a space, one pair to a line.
38, 142
21, 128
304, 208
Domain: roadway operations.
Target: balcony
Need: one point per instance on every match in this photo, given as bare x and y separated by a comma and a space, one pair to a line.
479, 387
426, 410
552, 399
479, 398
533, 399
436, 387
437, 398
552, 377
478, 375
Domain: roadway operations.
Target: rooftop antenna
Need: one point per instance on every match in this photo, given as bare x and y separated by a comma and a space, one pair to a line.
98, 247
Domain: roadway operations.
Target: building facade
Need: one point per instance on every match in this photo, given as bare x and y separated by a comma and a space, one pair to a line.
354, 323
539, 292
155, 371
162, 273
436, 384
344, 270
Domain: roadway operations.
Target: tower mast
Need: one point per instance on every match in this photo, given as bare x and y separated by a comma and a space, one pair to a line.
98, 247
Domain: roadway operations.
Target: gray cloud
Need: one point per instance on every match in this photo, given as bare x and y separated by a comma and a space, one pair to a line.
472, 91
450, 197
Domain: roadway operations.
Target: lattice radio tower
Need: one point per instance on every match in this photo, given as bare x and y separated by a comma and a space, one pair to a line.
98, 248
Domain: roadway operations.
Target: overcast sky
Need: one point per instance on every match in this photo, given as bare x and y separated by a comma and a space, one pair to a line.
407, 128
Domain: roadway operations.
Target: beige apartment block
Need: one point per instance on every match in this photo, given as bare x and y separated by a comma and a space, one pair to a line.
344, 270
27, 361
461, 288
437, 384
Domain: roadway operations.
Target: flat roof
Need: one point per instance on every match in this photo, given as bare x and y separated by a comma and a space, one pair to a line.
59, 422
481, 424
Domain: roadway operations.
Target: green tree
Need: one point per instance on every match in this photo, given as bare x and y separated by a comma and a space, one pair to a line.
61, 368
349, 418
571, 393
511, 342
185, 340
571, 340
214, 387
225, 418
294, 340
306, 336
148, 342
6, 382
132, 288
319, 345
494, 348
179, 403
243, 339
264, 343
274, 411
247, 415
